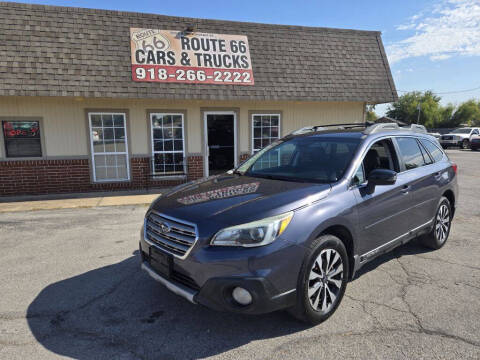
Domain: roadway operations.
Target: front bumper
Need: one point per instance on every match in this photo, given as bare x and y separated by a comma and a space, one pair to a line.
209, 275
450, 142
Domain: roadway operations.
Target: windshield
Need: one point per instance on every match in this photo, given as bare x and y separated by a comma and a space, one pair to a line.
461, 131
319, 159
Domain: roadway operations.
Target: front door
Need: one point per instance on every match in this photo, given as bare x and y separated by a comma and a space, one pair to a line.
220, 142
384, 215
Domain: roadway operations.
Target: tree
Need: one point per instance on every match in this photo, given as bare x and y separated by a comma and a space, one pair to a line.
370, 114
406, 108
446, 117
467, 113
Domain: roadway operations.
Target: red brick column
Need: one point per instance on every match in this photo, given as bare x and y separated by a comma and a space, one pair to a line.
194, 167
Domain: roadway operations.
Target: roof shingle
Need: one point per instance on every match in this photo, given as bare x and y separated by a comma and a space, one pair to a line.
62, 51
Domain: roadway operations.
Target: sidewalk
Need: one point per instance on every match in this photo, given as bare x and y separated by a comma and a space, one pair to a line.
77, 201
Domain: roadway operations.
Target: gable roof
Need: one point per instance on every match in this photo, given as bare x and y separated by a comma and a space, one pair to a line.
63, 51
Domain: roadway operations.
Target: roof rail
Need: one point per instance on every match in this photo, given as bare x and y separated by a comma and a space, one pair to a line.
308, 129
369, 128
381, 127
418, 128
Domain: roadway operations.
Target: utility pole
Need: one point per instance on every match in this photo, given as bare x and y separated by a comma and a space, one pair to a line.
419, 108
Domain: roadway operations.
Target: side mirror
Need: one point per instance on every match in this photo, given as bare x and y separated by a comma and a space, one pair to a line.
380, 177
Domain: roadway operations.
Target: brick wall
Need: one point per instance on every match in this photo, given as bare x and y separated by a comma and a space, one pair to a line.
34, 177
195, 167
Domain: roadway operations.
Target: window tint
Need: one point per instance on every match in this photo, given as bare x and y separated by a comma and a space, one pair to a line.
434, 150
315, 159
380, 156
22, 138
410, 152
359, 177
426, 156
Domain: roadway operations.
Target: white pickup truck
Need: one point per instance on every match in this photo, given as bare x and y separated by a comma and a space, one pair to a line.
459, 137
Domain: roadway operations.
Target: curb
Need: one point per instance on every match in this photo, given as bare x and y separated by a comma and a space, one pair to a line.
77, 203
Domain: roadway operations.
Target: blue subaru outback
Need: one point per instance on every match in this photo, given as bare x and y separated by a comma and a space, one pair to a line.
289, 227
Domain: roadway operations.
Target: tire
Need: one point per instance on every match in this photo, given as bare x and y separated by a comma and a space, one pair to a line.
436, 238
465, 144
329, 251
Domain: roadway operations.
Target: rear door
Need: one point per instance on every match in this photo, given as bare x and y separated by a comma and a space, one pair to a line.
421, 175
383, 215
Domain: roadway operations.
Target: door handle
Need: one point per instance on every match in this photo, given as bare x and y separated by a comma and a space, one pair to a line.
406, 189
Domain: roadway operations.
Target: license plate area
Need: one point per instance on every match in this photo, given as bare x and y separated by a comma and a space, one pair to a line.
161, 262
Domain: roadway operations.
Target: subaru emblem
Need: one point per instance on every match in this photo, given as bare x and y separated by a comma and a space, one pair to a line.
164, 228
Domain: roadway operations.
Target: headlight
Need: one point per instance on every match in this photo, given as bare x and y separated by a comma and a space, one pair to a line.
257, 233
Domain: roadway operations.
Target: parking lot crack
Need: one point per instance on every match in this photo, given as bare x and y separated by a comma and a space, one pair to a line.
376, 304
421, 327
448, 262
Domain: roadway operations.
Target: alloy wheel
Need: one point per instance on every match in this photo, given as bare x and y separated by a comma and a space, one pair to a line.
442, 223
465, 144
325, 280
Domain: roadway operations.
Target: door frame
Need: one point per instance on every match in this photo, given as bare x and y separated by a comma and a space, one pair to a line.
205, 137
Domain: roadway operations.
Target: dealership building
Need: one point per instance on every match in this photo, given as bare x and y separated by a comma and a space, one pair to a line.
96, 100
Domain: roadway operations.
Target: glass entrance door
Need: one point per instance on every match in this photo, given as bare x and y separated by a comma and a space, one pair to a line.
220, 131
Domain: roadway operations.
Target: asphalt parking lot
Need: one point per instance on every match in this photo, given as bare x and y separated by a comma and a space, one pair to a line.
71, 287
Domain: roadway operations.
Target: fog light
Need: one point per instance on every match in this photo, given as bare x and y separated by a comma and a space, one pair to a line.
242, 296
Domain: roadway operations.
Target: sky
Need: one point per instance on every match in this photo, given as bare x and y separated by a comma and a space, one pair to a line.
431, 45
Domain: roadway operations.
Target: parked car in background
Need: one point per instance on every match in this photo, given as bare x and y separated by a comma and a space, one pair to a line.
293, 224
475, 142
436, 135
460, 137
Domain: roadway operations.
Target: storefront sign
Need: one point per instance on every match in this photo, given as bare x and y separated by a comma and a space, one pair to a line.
197, 58
21, 129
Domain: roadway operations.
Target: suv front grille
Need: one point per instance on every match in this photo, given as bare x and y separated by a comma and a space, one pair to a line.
171, 235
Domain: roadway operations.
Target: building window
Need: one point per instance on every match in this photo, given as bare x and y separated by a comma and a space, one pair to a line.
22, 139
109, 146
265, 130
168, 144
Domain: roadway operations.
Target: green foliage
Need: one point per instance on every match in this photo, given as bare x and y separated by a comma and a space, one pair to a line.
370, 114
432, 113
406, 108
468, 113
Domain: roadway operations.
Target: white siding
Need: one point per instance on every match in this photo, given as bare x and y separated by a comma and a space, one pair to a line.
65, 129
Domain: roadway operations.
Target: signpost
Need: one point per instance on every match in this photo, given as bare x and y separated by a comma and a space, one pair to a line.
197, 58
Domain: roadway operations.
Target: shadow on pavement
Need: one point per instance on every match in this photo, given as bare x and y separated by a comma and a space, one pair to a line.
118, 312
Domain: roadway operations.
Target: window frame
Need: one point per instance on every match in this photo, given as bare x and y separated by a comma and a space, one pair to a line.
252, 131
397, 162
152, 144
403, 168
3, 143
422, 140
92, 152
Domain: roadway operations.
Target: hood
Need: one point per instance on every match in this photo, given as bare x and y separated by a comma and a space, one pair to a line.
235, 199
